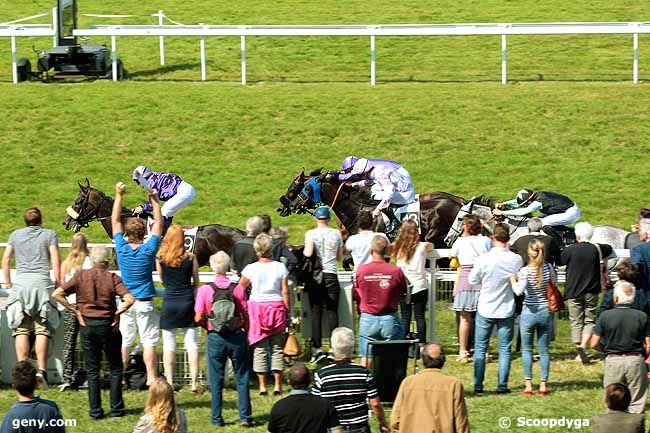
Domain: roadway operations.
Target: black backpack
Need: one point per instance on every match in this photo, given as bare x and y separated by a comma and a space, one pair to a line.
223, 312
135, 374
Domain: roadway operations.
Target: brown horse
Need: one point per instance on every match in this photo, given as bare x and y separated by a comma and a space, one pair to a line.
92, 204
437, 209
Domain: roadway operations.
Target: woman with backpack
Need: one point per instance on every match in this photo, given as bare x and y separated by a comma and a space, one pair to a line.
221, 309
179, 272
268, 306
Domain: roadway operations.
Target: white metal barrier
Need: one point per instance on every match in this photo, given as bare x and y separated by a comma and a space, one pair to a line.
497, 29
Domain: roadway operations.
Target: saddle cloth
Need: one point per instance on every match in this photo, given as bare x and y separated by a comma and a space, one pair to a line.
189, 234
409, 211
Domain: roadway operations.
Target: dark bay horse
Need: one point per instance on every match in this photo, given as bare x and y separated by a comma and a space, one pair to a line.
437, 209
92, 204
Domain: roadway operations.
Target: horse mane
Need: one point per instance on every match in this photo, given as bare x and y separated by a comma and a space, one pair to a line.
485, 200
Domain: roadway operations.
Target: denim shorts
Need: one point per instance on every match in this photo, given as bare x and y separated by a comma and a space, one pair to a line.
378, 327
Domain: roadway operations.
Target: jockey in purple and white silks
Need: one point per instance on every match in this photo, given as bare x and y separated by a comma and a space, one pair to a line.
174, 191
389, 182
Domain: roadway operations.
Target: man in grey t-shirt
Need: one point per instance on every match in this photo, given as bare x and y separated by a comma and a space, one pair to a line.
30, 307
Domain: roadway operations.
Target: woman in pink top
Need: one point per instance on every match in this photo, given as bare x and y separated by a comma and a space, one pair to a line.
268, 306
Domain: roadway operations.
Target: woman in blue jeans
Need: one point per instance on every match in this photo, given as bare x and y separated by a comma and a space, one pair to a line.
535, 316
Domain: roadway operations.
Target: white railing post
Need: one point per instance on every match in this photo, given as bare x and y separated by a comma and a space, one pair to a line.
635, 72
431, 328
55, 25
114, 56
372, 60
14, 67
243, 59
504, 57
161, 22
202, 45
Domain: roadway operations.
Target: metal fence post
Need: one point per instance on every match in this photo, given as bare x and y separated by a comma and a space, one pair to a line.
114, 56
55, 25
372, 60
635, 73
14, 67
161, 22
504, 56
431, 330
202, 44
243, 59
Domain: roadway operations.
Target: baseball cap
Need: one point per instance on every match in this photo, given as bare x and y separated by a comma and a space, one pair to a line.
322, 213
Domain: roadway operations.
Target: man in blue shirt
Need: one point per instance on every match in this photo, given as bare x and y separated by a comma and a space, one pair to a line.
31, 414
496, 306
640, 257
136, 261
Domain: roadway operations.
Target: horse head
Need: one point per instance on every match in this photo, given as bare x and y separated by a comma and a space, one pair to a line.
302, 195
85, 207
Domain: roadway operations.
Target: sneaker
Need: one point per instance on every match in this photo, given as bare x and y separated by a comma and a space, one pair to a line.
64, 386
246, 424
584, 358
41, 378
479, 393
503, 391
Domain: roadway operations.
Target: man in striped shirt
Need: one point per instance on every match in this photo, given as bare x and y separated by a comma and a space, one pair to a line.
349, 386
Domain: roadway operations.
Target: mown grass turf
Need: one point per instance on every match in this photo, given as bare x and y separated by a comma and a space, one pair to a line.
579, 128
241, 147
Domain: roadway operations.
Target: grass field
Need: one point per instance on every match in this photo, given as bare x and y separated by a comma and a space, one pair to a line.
571, 121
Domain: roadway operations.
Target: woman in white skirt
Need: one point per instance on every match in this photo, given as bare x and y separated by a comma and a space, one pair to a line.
467, 249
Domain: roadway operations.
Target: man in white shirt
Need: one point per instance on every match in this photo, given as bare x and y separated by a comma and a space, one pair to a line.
496, 306
359, 245
327, 243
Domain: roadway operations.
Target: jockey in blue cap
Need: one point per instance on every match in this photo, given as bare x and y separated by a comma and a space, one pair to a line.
174, 191
389, 182
556, 209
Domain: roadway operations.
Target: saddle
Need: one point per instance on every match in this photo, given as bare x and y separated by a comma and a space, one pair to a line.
565, 235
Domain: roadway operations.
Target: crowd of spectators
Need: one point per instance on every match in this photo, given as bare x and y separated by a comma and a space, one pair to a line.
246, 319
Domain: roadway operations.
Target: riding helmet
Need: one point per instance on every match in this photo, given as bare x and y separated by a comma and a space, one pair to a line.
524, 195
322, 213
138, 172
348, 163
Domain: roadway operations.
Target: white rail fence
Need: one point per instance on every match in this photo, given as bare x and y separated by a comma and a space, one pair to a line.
14, 30
372, 31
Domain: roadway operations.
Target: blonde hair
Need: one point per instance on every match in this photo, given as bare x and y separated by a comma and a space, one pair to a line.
162, 407
536, 259
78, 253
172, 250
406, 242
263, 245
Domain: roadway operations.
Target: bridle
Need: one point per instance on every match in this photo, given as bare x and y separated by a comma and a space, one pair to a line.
82, 221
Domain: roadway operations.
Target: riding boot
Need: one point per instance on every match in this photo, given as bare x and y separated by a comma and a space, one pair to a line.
550, 230
393, 224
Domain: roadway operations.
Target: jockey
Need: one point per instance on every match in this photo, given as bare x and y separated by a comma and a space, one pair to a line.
389, 182
556, 209
171, 189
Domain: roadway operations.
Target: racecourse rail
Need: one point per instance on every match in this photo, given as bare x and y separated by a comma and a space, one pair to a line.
434, 275
201, 31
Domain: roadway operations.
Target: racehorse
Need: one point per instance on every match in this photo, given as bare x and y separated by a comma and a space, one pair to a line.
440, 212
92, 204
437, 209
